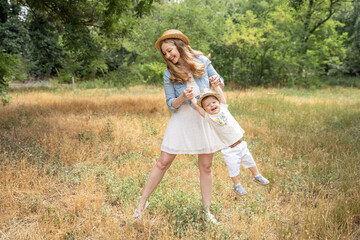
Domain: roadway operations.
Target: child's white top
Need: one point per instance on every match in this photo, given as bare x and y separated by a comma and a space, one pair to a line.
225, 126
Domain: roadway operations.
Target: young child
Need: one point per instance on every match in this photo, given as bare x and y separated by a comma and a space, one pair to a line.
212, 106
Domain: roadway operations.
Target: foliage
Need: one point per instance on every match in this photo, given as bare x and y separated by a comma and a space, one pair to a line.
7, 68
53, 35
153, 72
252, 43
349, 15
203, 25
14, 40
46, 50
276, 48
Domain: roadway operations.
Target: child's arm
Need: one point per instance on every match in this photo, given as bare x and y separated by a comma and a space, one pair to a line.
214, 82
190, 96
200, 110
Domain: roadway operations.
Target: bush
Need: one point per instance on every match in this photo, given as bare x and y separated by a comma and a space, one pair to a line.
8, 66
341, 81
152, 73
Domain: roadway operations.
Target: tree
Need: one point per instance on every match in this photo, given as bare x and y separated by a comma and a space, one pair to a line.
319, 45
314, 13
46, 54
349, 15
85, 27
14, 42
202, 21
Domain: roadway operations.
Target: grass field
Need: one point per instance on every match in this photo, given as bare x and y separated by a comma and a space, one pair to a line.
73, 164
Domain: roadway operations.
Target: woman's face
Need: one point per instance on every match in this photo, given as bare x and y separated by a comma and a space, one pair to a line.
170, 52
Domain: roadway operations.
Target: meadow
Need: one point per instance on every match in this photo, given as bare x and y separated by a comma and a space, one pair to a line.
73, 163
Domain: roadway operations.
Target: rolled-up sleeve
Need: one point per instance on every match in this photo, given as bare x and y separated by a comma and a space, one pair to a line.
211, 71
169, 91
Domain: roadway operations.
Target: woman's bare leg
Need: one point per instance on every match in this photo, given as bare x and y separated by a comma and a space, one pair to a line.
157, 173
205, 164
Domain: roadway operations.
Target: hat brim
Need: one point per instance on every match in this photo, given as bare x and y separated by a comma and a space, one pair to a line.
180, 36
199, 101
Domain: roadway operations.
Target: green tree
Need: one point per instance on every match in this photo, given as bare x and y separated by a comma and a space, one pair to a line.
281, 44
317, 35
8, 65
86, 29
313, 14
349, 15
14, 42
46, 53
201, 21
258, 46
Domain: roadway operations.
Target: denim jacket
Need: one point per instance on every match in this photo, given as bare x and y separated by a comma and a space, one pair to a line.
175, 89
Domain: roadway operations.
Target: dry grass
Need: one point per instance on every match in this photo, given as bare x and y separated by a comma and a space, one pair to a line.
73, 163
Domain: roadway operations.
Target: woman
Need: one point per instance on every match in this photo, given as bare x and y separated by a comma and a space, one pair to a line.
187, 132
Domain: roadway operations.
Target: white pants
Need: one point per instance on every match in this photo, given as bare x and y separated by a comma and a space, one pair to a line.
236, 156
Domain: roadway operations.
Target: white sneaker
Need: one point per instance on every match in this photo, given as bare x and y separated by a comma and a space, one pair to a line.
138, 215
211, 218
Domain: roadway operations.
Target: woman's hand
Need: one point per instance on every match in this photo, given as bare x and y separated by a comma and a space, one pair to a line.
189, 93
215, 81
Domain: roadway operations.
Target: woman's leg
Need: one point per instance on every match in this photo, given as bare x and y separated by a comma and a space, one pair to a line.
157, 173
205, 164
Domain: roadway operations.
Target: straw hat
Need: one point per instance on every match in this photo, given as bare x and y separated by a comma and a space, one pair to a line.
206, 92
172, 33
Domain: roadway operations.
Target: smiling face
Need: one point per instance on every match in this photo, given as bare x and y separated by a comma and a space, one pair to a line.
170, 52
211, 105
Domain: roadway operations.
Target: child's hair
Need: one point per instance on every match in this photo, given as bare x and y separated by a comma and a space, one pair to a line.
188, 55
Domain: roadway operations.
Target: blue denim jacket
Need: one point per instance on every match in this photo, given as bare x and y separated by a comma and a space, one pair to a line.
175, 89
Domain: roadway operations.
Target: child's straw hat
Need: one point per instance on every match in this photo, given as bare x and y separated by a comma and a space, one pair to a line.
206, 92
172, 33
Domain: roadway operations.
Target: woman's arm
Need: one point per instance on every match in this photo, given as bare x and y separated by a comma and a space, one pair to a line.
172, 101
178, 101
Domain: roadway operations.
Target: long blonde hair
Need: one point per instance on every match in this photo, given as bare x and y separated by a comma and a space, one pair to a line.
188, 55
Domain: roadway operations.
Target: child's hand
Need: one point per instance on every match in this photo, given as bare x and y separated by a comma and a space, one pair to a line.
215, 81
189, 93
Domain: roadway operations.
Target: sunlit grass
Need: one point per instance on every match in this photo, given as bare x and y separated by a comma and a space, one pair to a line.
73, 164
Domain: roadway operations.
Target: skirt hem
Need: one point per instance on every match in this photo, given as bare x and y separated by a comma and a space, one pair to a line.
177, 151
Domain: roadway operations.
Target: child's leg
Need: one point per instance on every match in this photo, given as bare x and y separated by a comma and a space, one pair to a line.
254, 171
248, 162
246, 159
232, 161
236, 180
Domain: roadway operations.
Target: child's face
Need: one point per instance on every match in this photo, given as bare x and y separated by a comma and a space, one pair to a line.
211, 105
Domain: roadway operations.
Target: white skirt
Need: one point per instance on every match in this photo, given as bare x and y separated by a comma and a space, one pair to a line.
188, 133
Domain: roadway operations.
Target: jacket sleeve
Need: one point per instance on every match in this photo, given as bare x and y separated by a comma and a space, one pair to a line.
169, 90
